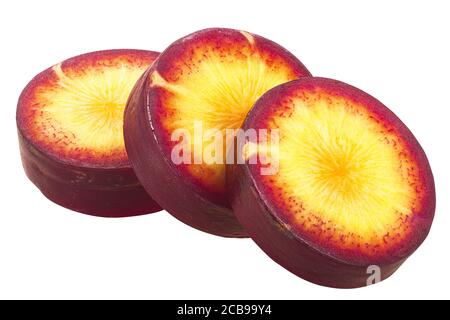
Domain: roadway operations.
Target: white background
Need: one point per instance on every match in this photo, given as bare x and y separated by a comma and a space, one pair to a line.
396, 50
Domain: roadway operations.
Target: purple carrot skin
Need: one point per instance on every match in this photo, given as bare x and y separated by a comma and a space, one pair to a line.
192, 81
94, 191
353, 191
70, 120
